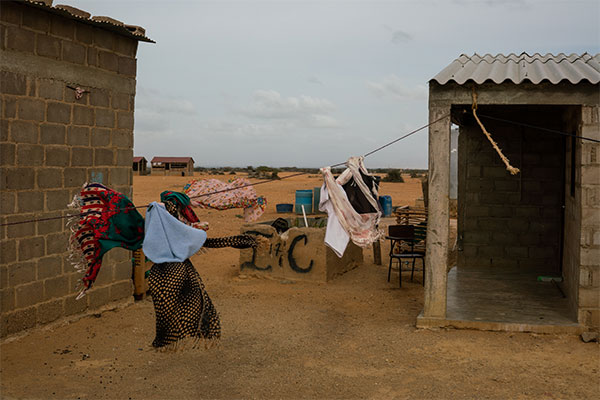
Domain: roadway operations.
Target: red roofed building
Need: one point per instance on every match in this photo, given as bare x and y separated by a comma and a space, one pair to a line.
183, 166
140, 166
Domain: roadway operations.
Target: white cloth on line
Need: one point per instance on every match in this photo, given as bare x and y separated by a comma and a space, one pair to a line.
362, 229
335, 236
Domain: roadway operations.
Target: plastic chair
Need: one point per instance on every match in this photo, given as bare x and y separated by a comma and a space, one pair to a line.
403, 238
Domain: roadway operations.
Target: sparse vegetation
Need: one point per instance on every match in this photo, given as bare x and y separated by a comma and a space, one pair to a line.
394, 175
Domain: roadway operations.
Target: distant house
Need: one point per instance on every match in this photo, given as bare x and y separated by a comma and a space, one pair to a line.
183, 166
140, 166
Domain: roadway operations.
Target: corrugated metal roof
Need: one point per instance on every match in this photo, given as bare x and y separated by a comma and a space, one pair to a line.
111, 24
172, 159
523, 67
138, 159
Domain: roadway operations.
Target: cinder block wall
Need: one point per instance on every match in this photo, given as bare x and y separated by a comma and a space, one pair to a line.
506, 220
589, 251
51, 143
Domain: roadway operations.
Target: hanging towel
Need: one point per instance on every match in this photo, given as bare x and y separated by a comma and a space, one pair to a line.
239, 193
335, 236
362, 228
167, 239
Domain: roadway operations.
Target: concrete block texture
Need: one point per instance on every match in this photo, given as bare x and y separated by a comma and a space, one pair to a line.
7, 154
21, 319
48, 46
50, 144
50, 311
23, 131
12, 83
51, 89
31, 109
20, 39
9, 107
52, 133
73, 52
520, 214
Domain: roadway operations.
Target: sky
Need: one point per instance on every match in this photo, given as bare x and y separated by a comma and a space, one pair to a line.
311, 83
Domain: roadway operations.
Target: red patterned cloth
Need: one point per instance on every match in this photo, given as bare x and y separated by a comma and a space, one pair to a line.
106, 219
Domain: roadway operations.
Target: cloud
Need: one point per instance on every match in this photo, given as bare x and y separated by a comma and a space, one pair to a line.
294, 111
315, 80
392, 87
270, 104
156, 101
398, 36
155, 113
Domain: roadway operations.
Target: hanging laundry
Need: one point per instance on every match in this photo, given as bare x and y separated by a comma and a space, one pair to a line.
238, 193
360, 226
106, 219
357, 198
336, 236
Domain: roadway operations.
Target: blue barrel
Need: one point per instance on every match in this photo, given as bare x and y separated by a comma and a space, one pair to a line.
304, 197
316, 199
386, 205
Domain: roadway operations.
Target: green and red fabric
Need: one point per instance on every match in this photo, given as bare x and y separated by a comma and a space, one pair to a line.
107, 219
183, 203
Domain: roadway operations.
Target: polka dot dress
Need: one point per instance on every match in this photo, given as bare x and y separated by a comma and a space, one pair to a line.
183, 308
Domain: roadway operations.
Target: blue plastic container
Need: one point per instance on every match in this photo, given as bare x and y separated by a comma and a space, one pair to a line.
304, 197
386, 205
284, 208
316, 199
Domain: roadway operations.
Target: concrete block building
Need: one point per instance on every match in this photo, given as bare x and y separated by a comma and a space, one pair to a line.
67, 87
528, 244
178, 166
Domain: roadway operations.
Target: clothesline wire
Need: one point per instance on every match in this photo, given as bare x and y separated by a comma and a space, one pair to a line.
539, 128
332, 166
236, 188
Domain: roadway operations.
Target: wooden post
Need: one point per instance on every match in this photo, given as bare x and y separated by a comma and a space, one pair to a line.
140, 283
377, 252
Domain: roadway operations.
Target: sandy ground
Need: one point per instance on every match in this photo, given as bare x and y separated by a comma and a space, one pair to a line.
353, 337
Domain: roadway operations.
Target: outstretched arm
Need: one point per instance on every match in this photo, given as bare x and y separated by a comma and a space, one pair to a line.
237, 242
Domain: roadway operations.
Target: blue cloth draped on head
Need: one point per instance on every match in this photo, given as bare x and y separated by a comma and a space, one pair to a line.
167, 239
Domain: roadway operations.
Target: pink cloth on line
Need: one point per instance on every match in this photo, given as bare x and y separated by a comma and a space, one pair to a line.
239, 193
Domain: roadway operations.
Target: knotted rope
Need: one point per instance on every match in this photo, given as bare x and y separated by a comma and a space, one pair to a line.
509, 167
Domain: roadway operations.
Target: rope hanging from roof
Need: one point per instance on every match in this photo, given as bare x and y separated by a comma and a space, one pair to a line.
509, 168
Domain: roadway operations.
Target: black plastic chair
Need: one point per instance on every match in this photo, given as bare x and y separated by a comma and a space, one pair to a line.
403, 238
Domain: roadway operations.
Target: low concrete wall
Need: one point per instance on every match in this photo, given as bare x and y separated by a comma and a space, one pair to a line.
297, 254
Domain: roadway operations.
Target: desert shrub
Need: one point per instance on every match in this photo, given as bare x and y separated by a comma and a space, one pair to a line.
393, 175
274, 175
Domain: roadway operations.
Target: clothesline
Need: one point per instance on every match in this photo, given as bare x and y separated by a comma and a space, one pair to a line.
334, 165
225, 190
